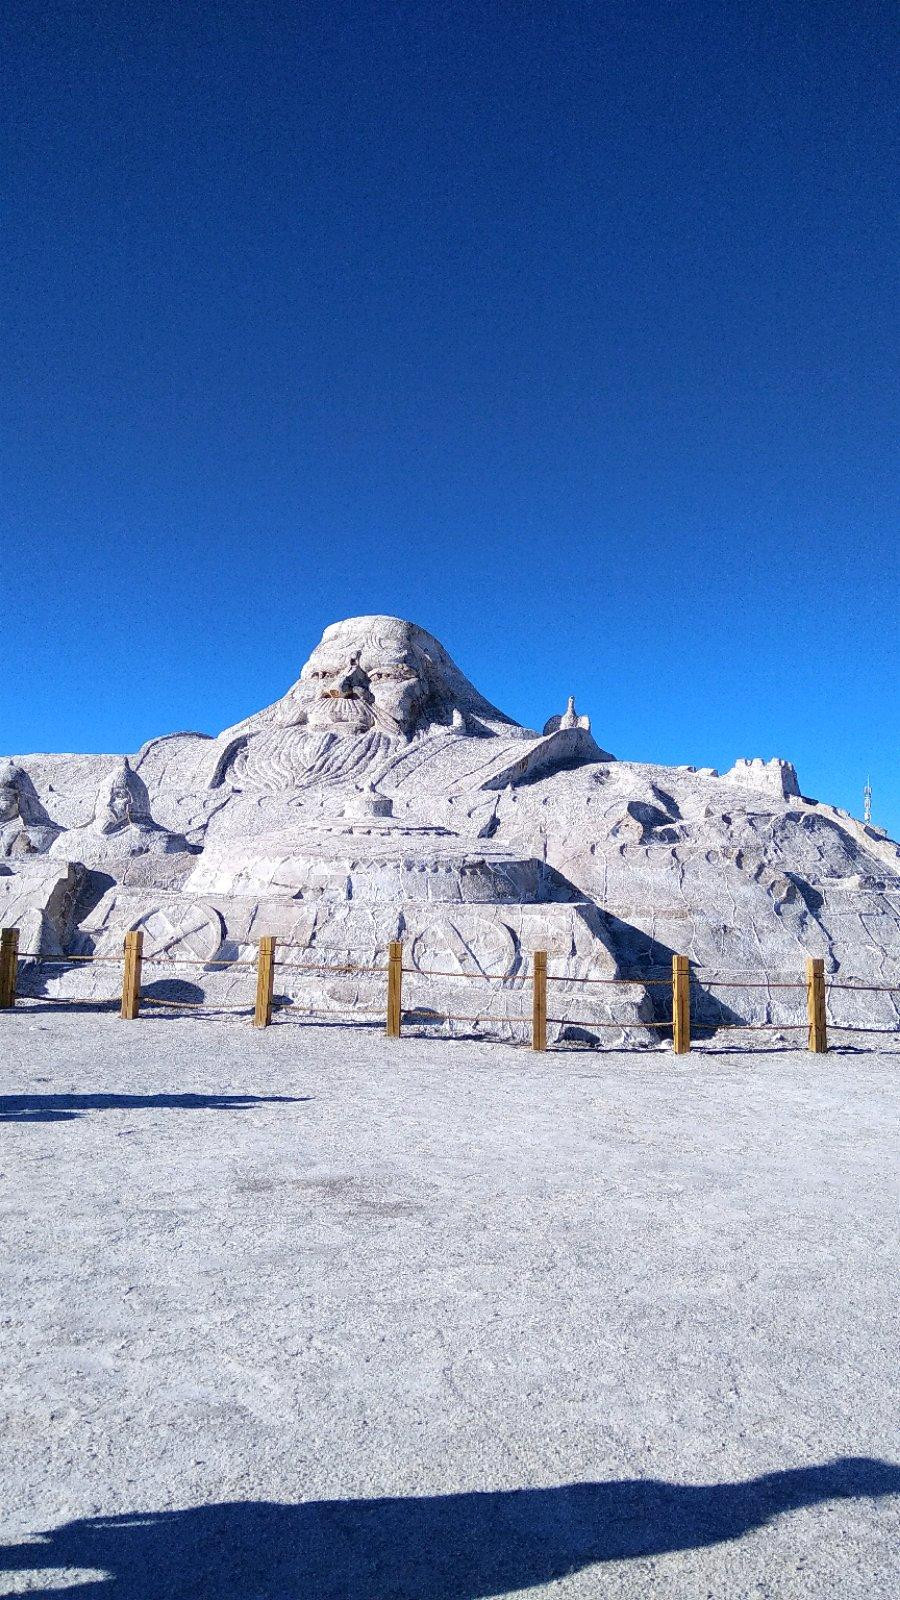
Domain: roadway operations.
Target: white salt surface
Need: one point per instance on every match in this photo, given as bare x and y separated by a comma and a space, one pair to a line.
307, 1314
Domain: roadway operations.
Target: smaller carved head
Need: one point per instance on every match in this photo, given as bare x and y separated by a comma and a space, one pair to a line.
25, 824
10, 787
121, 800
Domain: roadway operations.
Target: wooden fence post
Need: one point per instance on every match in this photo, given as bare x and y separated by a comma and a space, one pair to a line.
9, 955
681, 1005
539, 1000
394, 989
815, 1004
131, 977
265, 981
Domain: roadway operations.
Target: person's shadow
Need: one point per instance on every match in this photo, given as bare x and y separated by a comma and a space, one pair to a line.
68, 1107
440, 1547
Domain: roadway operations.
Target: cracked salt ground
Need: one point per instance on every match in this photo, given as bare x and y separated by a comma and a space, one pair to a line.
348, 1319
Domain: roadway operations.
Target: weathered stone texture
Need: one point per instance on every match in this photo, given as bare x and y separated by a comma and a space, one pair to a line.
383, 797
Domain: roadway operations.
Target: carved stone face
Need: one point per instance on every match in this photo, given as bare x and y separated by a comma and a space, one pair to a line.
369, 672
112, 808
372, 679
121, 801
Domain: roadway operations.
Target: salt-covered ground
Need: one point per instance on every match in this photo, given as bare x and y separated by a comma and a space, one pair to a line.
305, 1314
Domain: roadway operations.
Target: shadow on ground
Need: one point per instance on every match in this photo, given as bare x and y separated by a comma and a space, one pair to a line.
66, 1107
31, 1004
446, 1547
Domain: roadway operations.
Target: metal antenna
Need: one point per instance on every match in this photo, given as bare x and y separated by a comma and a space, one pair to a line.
867, 802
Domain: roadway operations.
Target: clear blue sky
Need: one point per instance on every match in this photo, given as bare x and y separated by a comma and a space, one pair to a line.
566, 330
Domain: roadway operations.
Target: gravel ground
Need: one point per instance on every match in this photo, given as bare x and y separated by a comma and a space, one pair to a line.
308, 1314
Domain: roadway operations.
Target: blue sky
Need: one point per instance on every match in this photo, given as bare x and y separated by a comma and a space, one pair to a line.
566, 330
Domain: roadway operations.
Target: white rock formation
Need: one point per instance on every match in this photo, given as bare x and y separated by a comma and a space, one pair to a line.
569, 719
775, 776
25, 828
383, 797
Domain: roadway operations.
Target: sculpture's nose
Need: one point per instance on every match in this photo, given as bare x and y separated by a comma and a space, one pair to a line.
353, 680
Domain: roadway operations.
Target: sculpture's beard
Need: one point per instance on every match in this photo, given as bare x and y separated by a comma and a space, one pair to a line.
324, 738
113, 823
284, 760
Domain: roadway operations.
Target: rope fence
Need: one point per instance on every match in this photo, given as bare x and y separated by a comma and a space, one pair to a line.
682, 981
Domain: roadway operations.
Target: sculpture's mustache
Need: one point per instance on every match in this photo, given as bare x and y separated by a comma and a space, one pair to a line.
350, 713
345, 710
